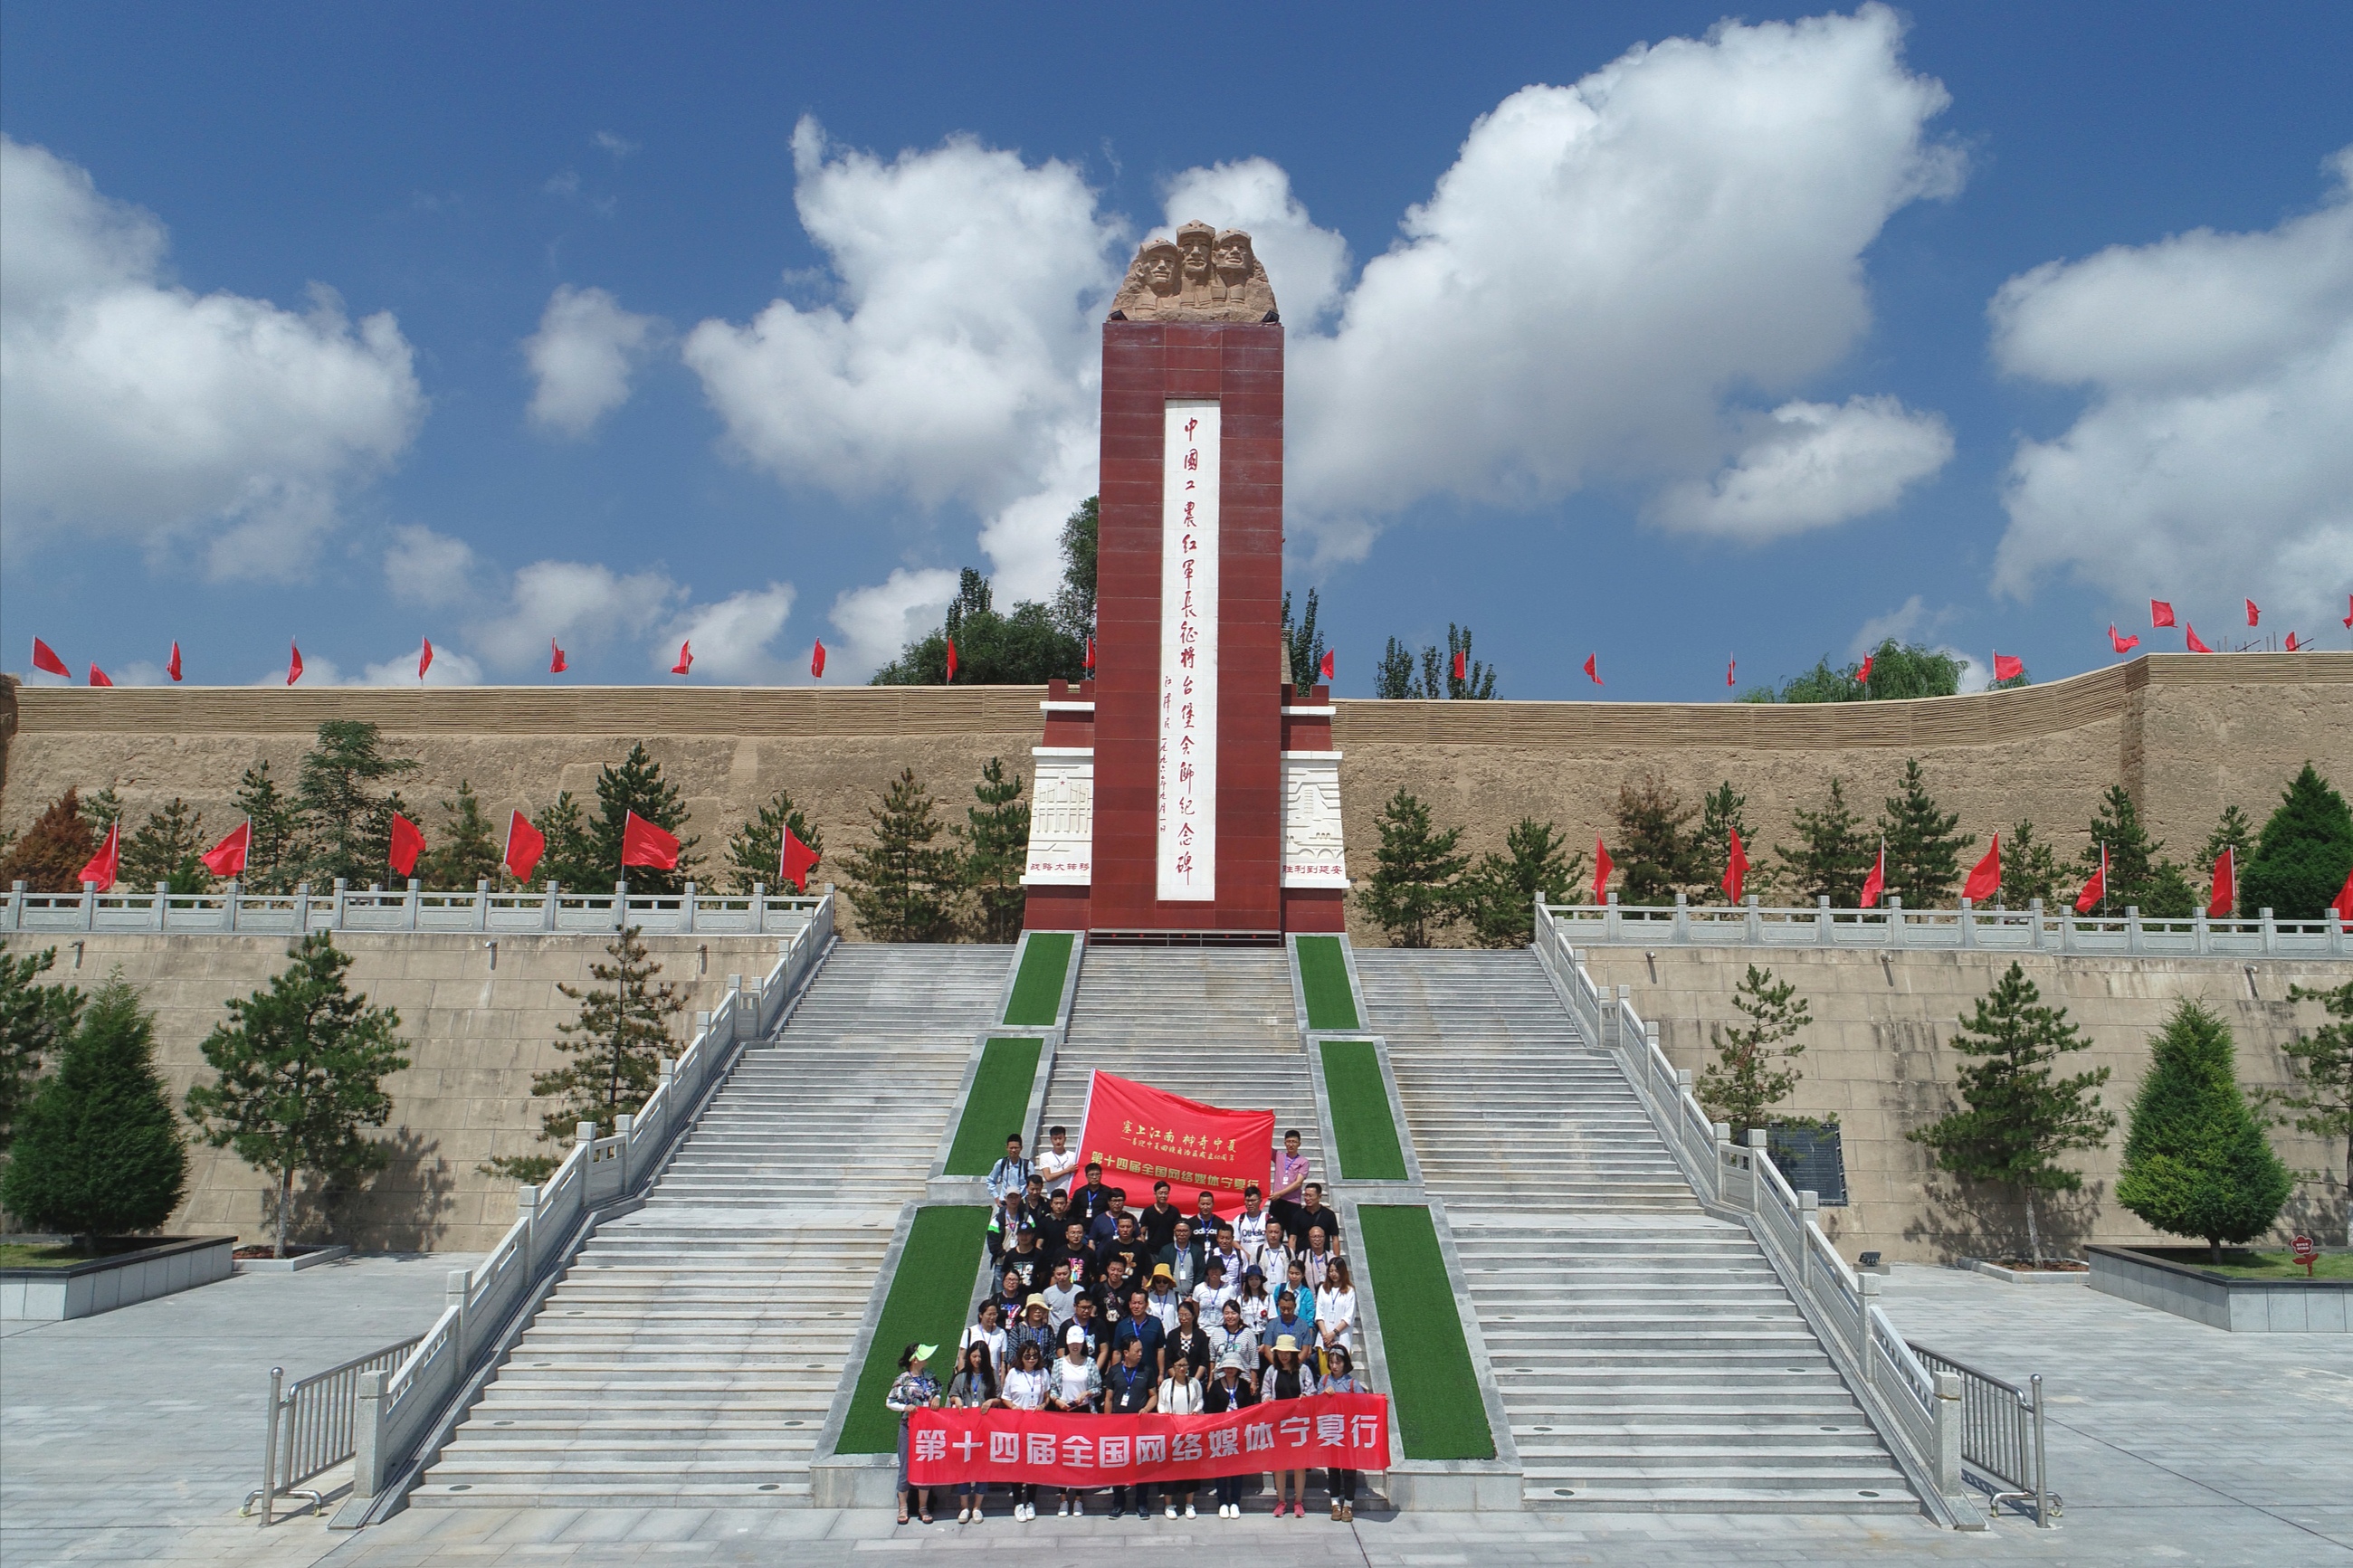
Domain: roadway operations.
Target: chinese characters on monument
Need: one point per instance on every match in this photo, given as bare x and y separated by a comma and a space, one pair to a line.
1189, 652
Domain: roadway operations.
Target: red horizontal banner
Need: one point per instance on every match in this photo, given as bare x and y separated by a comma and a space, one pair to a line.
1143, 1135
1350, 1431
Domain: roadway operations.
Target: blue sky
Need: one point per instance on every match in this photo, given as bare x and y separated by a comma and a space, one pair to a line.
357, 325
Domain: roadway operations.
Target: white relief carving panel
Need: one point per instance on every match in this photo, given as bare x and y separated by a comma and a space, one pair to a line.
1313, 854
1062, 817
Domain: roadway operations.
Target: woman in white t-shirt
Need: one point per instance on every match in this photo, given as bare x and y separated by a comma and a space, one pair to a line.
1335, 1308
989, 1331
1180, 1395
1256, 1304
1025, 1389
1074, 1386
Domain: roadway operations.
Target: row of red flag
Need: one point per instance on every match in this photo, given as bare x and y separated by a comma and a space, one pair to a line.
1984, 880
642, 844
45, 659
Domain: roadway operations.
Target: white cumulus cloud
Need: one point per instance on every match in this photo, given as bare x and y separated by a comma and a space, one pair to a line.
582, 357
732, 637
583, 605
138, 408
422, 568
1811, 465
958, 360
879, 620
2213, 459
1604, 260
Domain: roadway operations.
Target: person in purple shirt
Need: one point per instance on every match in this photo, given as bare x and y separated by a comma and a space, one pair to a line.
1289, 1182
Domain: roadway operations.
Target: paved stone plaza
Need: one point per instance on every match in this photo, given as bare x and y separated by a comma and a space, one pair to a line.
133, 1437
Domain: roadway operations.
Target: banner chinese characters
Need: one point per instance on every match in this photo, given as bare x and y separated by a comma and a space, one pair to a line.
1144, 1135
1349, 1431
1188, 651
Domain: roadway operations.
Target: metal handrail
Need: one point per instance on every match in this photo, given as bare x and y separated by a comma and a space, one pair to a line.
2001, 1435
310, 1428
235, 911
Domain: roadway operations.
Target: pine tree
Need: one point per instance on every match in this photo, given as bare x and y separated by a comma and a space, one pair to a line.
98, 1153
2234, 833
2139, 874
1500, 894
1722, 813
469, 853
616, 1047
902, 888
570, 858
758, 848
1923, 853
2321, 1066
1303, 643
1834, 854
2030, 870
1397, 678
1414, 890
2300, 864
1748, 1078
165, 849
638, 785
299, 1071
996, 852
2196, 1160
49, 858
101, 811
1656, 852
1074, 601
345, 827
36, 1020
270, 859
2020, 1118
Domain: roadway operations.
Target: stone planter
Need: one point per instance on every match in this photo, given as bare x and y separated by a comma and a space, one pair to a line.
2026, 1276
2225, 1300
85, 1290
299, 1261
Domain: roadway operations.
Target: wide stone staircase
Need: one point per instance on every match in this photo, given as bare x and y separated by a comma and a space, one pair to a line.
688, 1355
1647, 1354
1217, 1027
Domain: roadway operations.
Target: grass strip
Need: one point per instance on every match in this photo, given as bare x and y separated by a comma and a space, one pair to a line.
2246, 1264
1323, 980
1036, 999
997, 1106
1368, 1148
1440, 1415
925, 1304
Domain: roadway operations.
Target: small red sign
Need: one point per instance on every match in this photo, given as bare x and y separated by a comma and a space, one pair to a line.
2304, 1252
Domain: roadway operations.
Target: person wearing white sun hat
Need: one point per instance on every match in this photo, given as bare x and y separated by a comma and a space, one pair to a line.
1288, 1378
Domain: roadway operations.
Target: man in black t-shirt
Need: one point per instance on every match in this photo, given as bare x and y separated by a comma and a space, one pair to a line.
1127, 1247
1313, 1212
1110, 1293
1128, 1389
1158, 1223
1027, 1261
1092, 1197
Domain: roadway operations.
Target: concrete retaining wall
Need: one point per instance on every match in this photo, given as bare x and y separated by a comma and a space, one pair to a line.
54, 1295
2242, 1306
1879, 1057
474, 1036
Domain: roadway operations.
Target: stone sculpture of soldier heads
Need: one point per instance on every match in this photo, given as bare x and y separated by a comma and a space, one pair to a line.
1157, 261
1195, 242
1234, 258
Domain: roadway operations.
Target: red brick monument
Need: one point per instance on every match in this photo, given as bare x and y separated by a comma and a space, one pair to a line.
1183, 795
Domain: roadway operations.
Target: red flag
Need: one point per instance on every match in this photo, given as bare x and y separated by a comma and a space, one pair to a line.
1984, 880
2008, 666
98, 676
425, 659
2253, 615
1461, 664
2121, 645
1091, 655
526, 845
44, 657
817, 660
407, 843
2195, 645
1590, 673
1736, 872
685, 658
2291, 642
2349, 610
796, 860
1876, 883
643, 844
2160, 614
2343, 902
1864, 675
1602, 867
2096, 887
102, 865
952, 659
294, 664
1730, 664
2224, 895
226, 858
172, 669
556, 664
1323, 671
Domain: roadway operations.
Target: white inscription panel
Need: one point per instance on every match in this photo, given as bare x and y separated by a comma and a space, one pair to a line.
1311, 850
1189, 652
1062, 817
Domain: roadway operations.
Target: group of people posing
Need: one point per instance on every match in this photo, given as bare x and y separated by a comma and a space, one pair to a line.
1102, 1308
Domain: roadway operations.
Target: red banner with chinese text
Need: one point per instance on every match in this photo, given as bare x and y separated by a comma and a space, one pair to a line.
1144, 1135
1350, 1431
